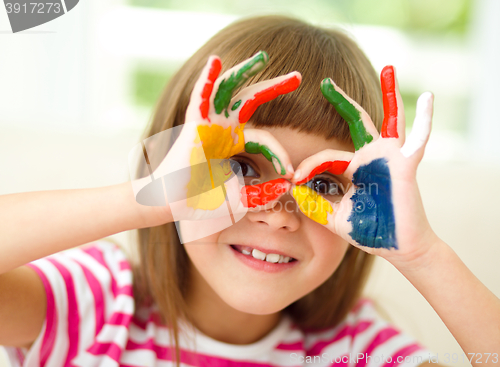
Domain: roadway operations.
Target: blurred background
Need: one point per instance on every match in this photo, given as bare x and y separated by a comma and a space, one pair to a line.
76, 94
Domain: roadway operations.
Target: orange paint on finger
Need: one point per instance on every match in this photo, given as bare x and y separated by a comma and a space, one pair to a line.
216, 143
313, 205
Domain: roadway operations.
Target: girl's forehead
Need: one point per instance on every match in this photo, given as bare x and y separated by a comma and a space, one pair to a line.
301, 145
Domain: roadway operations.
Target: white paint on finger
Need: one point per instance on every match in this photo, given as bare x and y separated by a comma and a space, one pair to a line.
421, 126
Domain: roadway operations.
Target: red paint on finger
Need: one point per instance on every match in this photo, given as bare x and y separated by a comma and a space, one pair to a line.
335, 168
388, 82
255, 195
213, 73
266, 95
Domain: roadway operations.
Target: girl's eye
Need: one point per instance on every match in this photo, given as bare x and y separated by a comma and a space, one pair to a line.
245, 168
325, 186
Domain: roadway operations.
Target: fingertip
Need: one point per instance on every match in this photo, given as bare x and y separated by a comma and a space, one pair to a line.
425, 102
265, 55
297, 175
296, 75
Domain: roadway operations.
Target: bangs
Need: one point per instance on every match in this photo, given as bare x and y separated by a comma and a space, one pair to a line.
316, 53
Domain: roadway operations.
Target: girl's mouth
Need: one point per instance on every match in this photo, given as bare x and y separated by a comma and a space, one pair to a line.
259, 255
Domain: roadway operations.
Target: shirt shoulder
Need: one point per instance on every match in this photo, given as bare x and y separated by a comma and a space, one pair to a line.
89, 302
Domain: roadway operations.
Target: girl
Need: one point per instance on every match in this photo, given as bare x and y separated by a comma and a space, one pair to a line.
281, 285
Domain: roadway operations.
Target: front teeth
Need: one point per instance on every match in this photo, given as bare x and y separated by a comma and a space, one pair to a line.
272, 258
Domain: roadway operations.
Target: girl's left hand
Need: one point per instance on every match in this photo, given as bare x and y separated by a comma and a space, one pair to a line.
382, 212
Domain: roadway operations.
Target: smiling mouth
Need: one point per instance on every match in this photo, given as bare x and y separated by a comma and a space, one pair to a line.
259, 255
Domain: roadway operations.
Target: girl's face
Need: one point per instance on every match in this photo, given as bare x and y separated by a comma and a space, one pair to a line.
249, 285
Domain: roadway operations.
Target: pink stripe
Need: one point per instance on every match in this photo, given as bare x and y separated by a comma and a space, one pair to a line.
73, 314
291, 346
99, 301
99, 257
190, 358
119, 319
50, 319
112, 350
382, 336
124, 265
347, 331
126, 290
404, 352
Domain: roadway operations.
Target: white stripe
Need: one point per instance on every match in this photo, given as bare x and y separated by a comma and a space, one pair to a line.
362, 340
141, 358
89, 360
58, 286
124, 304
113, 257
101, 274
159, 334
84, 300
113, 334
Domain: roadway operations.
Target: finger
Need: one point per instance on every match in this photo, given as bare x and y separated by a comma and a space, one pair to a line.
328, 160
263, 142
199, 103
263, 195
394, 117
421, 126
235, 77
247, 101
360, 124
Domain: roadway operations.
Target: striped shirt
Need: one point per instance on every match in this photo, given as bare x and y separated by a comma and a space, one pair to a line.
92, 321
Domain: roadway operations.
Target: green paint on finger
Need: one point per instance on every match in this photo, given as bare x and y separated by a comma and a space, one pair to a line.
237, 78
236, 105
349, 113
255, 148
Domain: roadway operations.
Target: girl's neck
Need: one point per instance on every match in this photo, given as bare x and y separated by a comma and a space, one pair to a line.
219, 321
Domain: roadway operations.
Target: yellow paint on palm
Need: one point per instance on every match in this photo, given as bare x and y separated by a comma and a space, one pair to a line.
312, 204
217, 143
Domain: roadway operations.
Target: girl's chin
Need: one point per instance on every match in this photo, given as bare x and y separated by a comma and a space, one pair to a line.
256, 305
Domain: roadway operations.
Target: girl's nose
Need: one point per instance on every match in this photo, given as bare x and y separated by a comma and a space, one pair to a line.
283, 215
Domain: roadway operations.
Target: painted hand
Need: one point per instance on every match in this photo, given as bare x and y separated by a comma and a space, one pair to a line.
382, 210
214, 131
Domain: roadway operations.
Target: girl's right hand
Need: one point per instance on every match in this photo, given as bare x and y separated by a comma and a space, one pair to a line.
197, 174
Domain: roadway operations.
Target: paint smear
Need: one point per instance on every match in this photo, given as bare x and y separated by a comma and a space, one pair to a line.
360, 136
312, 204
255, 148
217, 143
255, 195
372, 217
236, 79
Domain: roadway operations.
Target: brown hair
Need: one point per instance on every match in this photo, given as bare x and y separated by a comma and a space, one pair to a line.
317, 53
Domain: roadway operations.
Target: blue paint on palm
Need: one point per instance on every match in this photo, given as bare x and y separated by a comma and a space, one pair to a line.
372, 217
